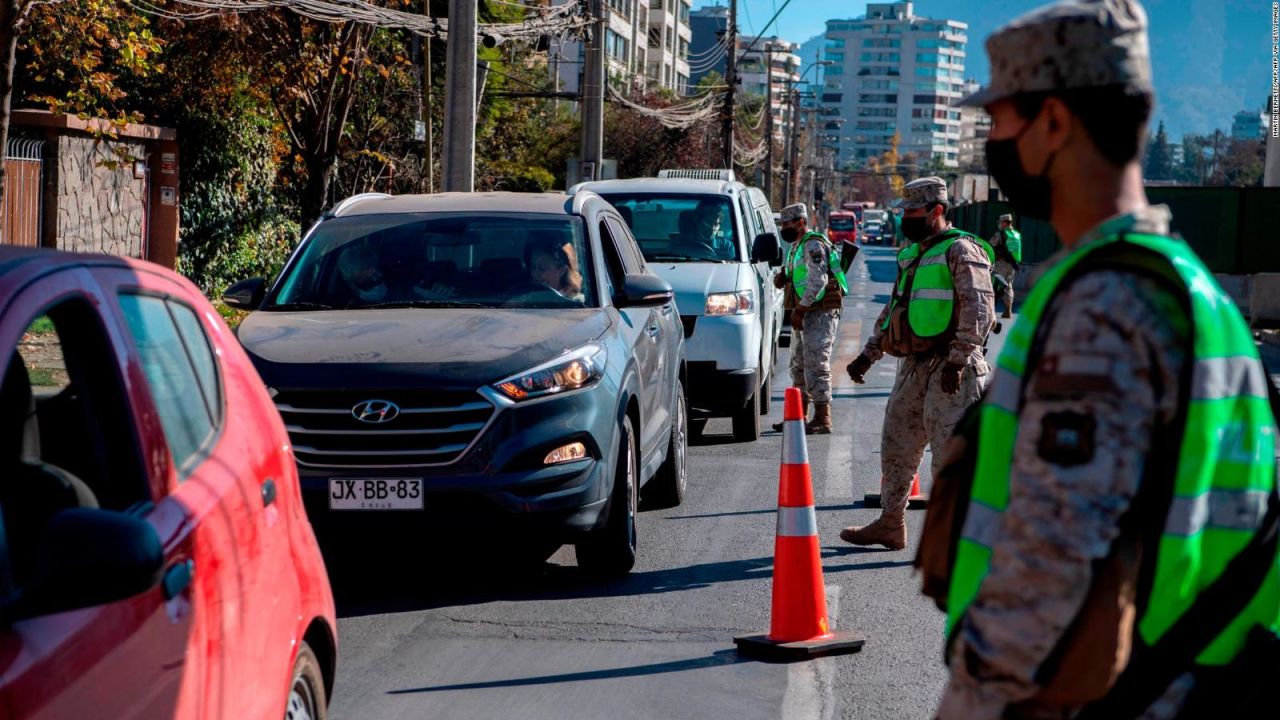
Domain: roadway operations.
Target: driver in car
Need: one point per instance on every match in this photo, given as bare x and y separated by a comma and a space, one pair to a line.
553, 264
360, 266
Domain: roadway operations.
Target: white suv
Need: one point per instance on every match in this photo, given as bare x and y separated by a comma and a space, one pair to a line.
714, 240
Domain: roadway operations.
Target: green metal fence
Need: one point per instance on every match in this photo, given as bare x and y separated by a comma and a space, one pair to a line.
1232, 229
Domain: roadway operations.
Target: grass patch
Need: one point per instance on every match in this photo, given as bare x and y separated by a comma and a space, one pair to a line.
42, 326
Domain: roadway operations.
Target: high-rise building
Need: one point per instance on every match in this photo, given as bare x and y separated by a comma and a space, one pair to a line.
975, 127
895, 72
1249, 125
783, 72
646, 46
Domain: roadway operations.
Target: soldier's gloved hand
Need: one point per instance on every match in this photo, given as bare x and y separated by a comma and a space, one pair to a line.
780, 281
951, 378
797, 317
858, 369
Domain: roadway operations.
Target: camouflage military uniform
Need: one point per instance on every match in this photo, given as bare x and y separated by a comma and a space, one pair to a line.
919, 413
818, 336
1113, 352
1004, 269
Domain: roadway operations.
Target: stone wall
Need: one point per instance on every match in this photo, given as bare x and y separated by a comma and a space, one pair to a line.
99, 209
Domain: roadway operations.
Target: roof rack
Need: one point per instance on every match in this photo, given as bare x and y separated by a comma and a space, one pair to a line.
693, 174
352, 201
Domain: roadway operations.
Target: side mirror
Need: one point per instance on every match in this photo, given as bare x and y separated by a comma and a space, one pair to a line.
644, 290
246, 294
91, 557
765, 248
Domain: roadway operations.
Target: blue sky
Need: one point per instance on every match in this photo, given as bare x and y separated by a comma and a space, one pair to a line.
1212, 58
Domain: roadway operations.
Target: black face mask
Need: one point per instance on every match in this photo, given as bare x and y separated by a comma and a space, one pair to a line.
1030, 196
916, 229
790, 234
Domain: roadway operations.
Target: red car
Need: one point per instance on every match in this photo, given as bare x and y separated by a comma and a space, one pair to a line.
155, 558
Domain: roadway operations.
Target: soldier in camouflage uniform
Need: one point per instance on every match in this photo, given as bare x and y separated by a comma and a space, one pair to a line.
1007, 265
1070, 98
815, 312
940, 380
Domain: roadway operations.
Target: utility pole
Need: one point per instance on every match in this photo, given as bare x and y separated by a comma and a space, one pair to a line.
731, 79
593, 97
793, 166
460, 99
429, 147
768, 107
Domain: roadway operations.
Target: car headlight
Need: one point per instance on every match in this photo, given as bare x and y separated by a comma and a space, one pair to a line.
733, 303
572, 371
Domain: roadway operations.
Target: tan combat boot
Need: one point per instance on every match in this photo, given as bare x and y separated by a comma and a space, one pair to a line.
804, 402
821, 423
888, 530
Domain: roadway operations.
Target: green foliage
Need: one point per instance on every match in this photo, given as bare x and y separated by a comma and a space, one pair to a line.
513, 177
1159, 165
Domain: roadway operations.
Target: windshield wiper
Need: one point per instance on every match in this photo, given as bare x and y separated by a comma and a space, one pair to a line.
301, 305
420, 304
658, 257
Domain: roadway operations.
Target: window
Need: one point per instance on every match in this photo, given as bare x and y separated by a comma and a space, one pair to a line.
170, 369
622, 6
435, 259
615, 45
684, 11
63, 405
683, 227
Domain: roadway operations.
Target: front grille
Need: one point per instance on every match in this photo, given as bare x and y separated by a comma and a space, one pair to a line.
689, 321
433, 428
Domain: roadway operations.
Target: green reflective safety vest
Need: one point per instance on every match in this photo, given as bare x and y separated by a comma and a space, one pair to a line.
931, 302
1013, 243
1226, 463
800, 271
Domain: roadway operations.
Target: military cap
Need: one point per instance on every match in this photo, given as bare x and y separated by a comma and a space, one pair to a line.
794, 212
1069, 45
921, 192
1006, 218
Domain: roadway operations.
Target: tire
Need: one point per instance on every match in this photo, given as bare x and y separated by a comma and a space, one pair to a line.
306, 700
766, 395
746, 422
667, 487
610, 551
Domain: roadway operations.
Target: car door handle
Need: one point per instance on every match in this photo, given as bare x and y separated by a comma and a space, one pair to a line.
667, 310
268, 492
652, 330
178, 578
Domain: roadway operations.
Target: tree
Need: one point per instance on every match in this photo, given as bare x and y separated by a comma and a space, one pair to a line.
1242, 164
78, 55
1159, 164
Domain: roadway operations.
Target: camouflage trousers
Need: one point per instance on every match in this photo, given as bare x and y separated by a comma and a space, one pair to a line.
920, 414
1005, 270
811, 354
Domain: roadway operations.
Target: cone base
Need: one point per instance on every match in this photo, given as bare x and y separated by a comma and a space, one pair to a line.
915, 502
762, 648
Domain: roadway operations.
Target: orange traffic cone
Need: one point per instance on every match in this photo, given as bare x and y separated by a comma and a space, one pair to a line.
798, 628
916, 501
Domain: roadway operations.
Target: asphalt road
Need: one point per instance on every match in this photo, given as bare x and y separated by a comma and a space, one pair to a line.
423, 640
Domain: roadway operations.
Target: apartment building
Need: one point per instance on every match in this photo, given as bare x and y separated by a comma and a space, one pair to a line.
894, 72
975, 126
706, 54
769, 61
646, 46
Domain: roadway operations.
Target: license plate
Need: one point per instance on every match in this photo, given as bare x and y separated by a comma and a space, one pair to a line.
375, 494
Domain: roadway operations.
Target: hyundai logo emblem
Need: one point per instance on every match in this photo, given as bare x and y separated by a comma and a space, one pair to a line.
375, 412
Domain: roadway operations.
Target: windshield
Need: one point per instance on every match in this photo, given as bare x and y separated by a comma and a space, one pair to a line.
680, 227
440, 260
842, 222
